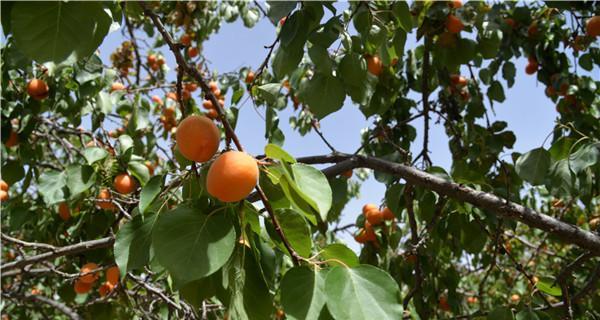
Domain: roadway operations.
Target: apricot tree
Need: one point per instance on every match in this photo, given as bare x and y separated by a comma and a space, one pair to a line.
126, 192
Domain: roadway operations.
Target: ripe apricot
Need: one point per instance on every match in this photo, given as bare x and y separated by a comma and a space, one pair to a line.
186, 40
112, 275
37, 89
63, 211
151, 59
193, 52
197, 138
232, 176
185, 95
169, 112
124, 183
347, 174
104, 194
374, 65
157, 100
217, 93
368, 207
531, 68
213, 86
212, 114
89, 277
3, 185
515, 298
117, 86
160, 61
81, 287
191, 86
443, 303
457, 80
365, 235
13, 139
249, 77
207, 104
592, 27
105, 289
172, 96
453, 24
387, 214
472, 300
35, 291
550, 92
375, 217
3, 196
282, 21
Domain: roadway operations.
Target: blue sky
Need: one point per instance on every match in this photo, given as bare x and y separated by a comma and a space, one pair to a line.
528, 112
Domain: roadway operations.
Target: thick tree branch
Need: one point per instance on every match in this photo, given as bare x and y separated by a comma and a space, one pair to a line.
566, 232
59, 252
53, 303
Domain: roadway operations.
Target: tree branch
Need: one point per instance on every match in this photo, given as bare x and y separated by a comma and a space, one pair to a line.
566, 232
53, 303
59, 252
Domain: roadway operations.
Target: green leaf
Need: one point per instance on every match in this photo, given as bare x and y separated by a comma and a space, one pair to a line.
500, 313
585, 61
56, 31
269, 92
296, 231
303, 293
192, 245
12, 171
94, 154
324, 94
52, 187
133, 242
126, 143
534, 165
279, 9
337, 254
401, 10
353, 69
527, 314
586, 156
362, 292
103, 102
546, 286
320, 57
149, 192
276, 152
139, 170
80, 179
496, 92
314, 185
509, 72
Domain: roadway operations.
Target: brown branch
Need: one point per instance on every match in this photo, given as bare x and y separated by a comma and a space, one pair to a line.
229, 132
59, 252
425, 92
414, 239
566, 232
138, 57
53, 303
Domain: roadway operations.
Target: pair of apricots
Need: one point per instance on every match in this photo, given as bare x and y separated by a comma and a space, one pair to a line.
84, 283
211, 111
123, 183
233, 175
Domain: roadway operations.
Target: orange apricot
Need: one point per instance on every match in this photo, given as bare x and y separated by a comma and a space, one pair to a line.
212, 114
375, 217
157, 100
510, 22
197, 138
249, 77
592, 26
368, 207
81, 287
456, 4
172, 96
457, 80
347, 174
374, 65
453, 24
443, 303
117, 86
112, 275
387, 214
3, 185
104, 194
151, 59
3, 196
531, 68
13, 139
213, 86
191, 86
105, 288
89, 277
150, 167
533, 30
515, 298
124, 183
232, 176
37, 89
186, 40
63, 211
193, 52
